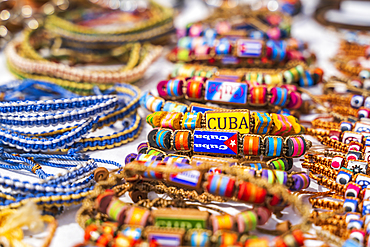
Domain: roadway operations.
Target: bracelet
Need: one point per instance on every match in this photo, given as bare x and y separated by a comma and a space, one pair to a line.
242, 120
294, 72
159, 23
229, 143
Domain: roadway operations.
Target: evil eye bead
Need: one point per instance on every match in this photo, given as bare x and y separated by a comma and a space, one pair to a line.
352, 216
367, 102
355, 224
350, 204
364, 74
363, 113
334, 134
366, 84
357, 101
354, 146
353, 155
356, 83
345, 126
344, 176
357, 235
352, 190
337, 162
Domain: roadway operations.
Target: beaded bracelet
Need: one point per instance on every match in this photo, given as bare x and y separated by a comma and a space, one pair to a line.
158, 24
241, 120
293, 73
229, 143
81, 81
216, 91
176, 227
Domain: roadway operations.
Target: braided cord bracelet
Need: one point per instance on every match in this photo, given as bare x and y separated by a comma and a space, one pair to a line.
229, 143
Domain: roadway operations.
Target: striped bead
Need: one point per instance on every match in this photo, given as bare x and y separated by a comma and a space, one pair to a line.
306, 80
227, 238
279, 96
295, 100
274, 146
151, 103
254, 77
220, 185
296, 146
182, 140
297, 128
142, 148
186, 71
194, 89
273, 79
200, 238
174, 88
292, 75
222, 222
116, 210
300, 181
163, 139
257, 166
282, 126
281, 164
147, 157
249, 192
155, 118
251, 145
175, 107
171, 120
192, 120
262, 122
258, 96
273, 176
137, 216
153, 174
247, 221
175, 159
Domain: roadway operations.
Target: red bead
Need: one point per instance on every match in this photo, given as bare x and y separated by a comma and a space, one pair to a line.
298, 236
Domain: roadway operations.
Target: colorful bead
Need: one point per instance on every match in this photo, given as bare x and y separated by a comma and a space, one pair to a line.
296, 146
224, 47
264, 214
274, 146
155, 118
171, 120
337, 162
192, 120
152, 103
247, 221
199, 239
295, 100
170, 106
222, 222
262, 122
281, 164
257, 242
142, 148
194, 89
279, 96
249, 192
357, 101
350, 204
137, 216
344, 176
363, 112
301, 181
182, 140
282, 125
174, 88
306, 80
152, 174
227, 239
220, 185
116, 210
273, 176
251, 145
352, 190
163, 139
258, 96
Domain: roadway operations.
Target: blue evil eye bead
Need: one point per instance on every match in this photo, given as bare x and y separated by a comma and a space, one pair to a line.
357, 235
351, 243
367, 102
365, 207
352, 190
344, 176
363, 113
345, 126
353, 155
350, 204
224, 47
356, 83
352, 216
355, 224
364, 74
357, 101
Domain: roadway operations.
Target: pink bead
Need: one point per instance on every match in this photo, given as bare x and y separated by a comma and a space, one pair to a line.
264, 214
295, 100
290, 87
274, 33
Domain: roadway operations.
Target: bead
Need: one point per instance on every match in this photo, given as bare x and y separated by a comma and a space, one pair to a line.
194, 89
298, 236
192, 120
344, 176
257, 242
137, 216
130, 157
364, 74
153, 174
142, 148
273, 176
258, 96
301, 181
306, 80
296, 146
337, 162
345, 126
357, 101
249, 192
171, 120
262, 122
103, 200
152, 138
295, 100
274, 146
279, 96
184, 42
182, 140
220, 185
137, 195
264, 214
116, 210
101, 174
227, 238
350, 204
222, 222
199, 238
170, 106
183, 54
224, 47
352, 190
282, 125
281, 164
163, 139
151, 102
247, 221
317, 75
363, 113
251, 145
132, 232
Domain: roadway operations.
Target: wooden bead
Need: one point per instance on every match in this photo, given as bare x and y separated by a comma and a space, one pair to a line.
101, 174
137, 195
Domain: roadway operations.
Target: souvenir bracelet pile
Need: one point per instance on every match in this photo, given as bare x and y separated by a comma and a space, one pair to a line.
111, 222
86, 114
95, 26
62, 66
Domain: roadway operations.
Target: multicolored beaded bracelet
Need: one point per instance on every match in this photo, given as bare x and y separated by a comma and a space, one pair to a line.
229, 143
176, 227
242, 120
293, 73
88, 33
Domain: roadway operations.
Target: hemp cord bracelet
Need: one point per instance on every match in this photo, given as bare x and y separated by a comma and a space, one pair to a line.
227, 143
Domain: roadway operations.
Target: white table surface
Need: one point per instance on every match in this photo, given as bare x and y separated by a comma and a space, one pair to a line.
321, 40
